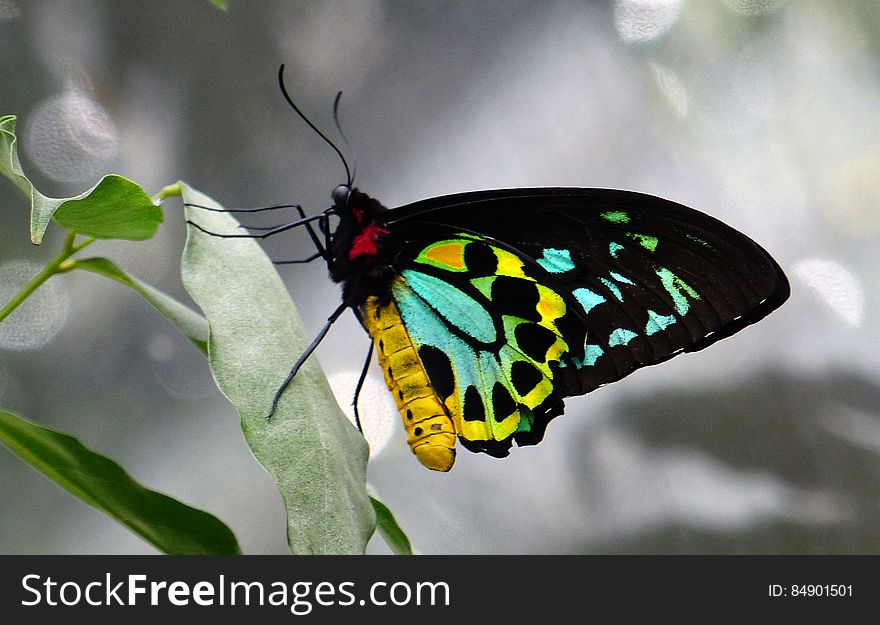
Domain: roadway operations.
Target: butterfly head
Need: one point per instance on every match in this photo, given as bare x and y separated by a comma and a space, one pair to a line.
358, 240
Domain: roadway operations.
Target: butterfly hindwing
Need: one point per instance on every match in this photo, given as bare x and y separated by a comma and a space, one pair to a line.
490, 334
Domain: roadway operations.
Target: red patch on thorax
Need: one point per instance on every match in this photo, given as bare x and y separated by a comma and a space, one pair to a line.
366, 241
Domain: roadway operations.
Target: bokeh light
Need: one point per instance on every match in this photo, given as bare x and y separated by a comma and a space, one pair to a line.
671, 87
835, 285
378, 413
642, 20
71, 138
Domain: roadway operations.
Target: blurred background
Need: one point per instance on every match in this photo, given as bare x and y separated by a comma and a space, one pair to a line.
763, 113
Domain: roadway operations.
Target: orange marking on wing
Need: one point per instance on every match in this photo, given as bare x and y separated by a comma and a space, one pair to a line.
449, 254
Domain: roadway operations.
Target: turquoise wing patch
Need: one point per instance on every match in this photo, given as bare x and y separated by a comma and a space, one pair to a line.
491, 338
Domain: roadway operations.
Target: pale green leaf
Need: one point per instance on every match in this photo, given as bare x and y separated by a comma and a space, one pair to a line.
317, 458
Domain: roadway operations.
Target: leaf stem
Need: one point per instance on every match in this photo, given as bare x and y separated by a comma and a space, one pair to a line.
56, 265
171, 190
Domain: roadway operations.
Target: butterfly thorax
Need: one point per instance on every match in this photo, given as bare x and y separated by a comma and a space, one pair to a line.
361, 247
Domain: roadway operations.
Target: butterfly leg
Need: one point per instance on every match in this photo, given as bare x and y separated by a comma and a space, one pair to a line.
309, 259
360, 385
322, 250
302, 359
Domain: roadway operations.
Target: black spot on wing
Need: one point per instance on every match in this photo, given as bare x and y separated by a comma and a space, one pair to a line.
516, 297
473, 405
439, 370
534, 340
502, 403
480, 260
524, 377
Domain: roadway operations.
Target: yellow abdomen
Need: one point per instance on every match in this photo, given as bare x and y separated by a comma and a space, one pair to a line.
429, 429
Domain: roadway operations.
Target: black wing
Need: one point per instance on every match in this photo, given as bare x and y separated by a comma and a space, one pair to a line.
649, 278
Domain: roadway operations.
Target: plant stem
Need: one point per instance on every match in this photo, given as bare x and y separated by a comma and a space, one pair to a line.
55, 266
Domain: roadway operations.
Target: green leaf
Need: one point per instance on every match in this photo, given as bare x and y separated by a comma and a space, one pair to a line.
115, 208
171, 526
220, 4
314, 453
190, 323
390, 530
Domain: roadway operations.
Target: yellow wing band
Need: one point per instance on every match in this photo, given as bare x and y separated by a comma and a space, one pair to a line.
429, 429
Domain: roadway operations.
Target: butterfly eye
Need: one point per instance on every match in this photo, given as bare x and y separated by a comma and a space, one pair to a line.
340, 195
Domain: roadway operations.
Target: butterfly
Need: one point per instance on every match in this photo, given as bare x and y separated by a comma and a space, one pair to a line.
486, 309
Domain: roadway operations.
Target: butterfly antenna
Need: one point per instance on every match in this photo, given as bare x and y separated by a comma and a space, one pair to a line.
344, 138
311, 125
